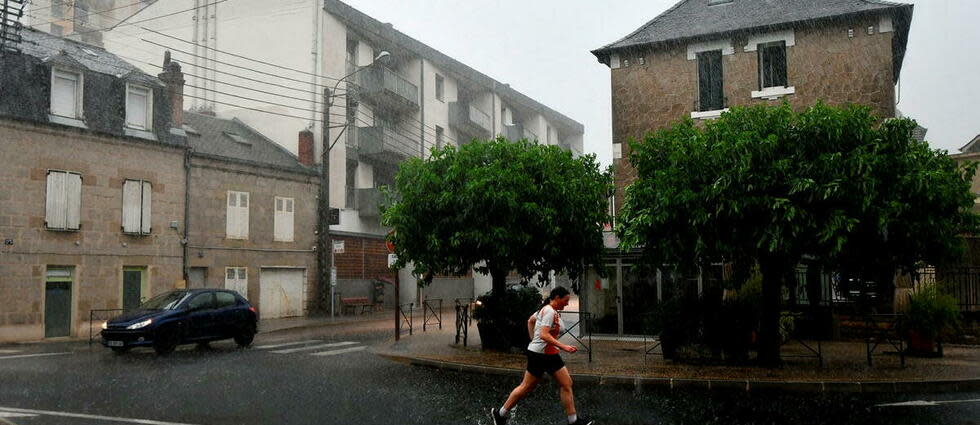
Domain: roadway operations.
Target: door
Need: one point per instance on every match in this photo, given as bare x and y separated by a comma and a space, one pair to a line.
236, 279
201, 319
603, 299
132, 295
229, 314
197, 277
57, 303
639, 298
281, 293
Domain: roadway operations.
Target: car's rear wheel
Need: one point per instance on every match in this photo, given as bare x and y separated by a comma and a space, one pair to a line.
166, 341
245, 336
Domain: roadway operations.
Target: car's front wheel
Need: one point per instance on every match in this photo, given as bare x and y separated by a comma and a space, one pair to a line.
166, 341
245, 336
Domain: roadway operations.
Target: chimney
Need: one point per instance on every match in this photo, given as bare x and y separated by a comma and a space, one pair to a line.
306, 148
173, 80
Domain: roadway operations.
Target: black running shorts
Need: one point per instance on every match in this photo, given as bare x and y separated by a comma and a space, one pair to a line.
538, 364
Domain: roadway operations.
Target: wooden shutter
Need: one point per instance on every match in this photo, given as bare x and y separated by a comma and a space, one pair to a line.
278, 219
289, 220
73, 189
55, 209
231, 216
243, 215
146, 216
710, 89
131, 206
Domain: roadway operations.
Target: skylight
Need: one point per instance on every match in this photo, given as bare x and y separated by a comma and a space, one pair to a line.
237, 138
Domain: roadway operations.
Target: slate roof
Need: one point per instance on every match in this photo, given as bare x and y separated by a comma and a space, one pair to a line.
232, 139
50, 48
691, 19
368, 26
973, 146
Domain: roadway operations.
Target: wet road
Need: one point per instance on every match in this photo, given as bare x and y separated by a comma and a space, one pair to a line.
331, 377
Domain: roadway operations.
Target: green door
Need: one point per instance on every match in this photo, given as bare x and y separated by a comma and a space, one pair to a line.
57, 307
132, 288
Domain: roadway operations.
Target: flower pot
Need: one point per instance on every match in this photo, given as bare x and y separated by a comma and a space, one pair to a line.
920, 344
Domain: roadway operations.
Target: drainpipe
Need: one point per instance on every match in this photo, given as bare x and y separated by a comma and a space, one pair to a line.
422, 108
187, 214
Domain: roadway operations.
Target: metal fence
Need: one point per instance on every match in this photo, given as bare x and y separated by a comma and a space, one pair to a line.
962, 283
463, 319
407, 319
431, 315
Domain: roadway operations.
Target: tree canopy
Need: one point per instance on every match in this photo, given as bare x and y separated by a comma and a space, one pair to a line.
499, 206
767, 185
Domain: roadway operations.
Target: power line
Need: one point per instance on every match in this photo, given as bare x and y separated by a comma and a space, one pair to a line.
142, 20
75, 18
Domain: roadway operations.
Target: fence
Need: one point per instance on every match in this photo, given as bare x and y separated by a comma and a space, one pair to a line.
406, 319
963, 283
100, 315
431, 316
584, 323
463, 319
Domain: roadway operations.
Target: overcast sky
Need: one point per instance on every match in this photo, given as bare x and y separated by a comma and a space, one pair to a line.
541, 47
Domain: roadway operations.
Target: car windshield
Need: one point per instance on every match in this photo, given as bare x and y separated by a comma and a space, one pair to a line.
167, 301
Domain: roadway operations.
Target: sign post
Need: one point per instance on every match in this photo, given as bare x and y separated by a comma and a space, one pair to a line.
391, 253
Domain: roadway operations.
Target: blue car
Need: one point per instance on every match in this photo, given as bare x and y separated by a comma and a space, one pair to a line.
182, 317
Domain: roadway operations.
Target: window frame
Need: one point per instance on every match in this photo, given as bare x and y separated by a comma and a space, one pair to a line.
440, 87
147, 124
762, 57
721, 80
79, 94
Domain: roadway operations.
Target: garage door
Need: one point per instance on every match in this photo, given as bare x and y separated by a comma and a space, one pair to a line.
281, 293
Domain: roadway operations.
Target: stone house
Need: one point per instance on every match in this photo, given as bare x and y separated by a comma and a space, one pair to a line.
701, 57
86, 224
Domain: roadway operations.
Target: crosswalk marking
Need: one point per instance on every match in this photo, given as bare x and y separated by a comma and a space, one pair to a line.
9, 351
86, 416
315, 347
267, 347
915, 403
23, 356
340, 351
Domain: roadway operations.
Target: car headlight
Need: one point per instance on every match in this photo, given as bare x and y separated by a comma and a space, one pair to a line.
105, 325
140, 325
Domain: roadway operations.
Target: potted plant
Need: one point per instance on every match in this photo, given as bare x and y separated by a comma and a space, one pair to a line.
502, 320
931, 316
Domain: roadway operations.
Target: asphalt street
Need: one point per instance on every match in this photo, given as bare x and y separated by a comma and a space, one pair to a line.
331, 376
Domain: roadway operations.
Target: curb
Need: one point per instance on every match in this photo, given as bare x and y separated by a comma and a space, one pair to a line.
321, 325
639, 383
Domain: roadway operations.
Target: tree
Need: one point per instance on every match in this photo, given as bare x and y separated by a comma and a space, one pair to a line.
499, 206
765, 185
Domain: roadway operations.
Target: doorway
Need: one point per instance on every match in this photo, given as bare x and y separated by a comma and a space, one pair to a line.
57, 302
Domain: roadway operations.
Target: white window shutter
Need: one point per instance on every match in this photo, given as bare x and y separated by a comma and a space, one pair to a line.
231, 215
131, 206
146, 217
288, 222
54, 214
64, 88
73, 187
243, 215
277, 225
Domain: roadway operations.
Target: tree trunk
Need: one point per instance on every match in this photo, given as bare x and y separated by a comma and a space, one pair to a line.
499, 282
774, 271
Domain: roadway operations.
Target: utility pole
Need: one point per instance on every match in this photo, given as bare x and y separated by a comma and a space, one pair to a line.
324, 246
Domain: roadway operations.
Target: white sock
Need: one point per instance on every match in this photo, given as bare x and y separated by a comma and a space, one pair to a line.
572, 418
504, 412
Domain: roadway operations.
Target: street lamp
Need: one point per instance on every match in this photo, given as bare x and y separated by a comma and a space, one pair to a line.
324, 245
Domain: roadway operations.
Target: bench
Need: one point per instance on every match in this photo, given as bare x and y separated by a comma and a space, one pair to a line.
353, 303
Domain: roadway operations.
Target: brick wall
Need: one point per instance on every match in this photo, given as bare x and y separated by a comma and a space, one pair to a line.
824, 65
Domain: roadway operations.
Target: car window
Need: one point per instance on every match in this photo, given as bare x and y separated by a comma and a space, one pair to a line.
166, 301
225, 299
201, 302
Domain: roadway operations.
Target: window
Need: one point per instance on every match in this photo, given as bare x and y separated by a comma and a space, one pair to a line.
772, 65
440, 135
57, 30
440, 88
136, 215
66, 93
201, 302
236, 225
236, 279
63, 203
283, 226
225, 299
710, 90
57, 10
547, 135
139, 107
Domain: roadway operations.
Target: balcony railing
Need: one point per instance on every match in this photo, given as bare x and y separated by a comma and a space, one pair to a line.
368, 202
514, 132
385, 145
530, 135
384, 88
470, 120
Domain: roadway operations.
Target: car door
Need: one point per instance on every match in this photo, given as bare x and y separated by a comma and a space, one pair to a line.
201, 316
229, 315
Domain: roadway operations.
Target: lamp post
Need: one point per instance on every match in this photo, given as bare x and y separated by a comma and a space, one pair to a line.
324, 244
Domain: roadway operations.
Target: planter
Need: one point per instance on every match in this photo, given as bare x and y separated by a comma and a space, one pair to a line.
921, 344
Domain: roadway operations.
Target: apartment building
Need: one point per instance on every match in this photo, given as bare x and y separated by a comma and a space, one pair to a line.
82, 20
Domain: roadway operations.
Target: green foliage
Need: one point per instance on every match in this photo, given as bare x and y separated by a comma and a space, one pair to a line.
932, 313
503, 318
500, 206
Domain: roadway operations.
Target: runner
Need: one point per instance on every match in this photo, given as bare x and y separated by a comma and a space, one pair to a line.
544, 327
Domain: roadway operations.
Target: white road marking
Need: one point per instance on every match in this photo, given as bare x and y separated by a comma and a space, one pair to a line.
266, 347
340, 351
927, 403
9, 351
84, 416
24, 356
315, 347
16, 415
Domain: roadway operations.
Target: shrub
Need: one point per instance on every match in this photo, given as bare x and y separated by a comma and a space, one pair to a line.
932, 314
502, 320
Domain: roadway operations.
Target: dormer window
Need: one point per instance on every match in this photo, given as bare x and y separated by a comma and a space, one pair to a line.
66, 93
139, 107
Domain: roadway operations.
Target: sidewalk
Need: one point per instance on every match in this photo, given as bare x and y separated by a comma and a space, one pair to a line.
624, 363
270, 326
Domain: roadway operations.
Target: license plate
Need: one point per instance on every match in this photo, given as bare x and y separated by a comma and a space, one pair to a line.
115, 343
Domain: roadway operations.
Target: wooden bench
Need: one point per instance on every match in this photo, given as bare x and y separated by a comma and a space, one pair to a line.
353, 303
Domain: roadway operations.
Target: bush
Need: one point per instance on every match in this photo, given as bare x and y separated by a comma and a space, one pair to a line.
932, 314
502, 321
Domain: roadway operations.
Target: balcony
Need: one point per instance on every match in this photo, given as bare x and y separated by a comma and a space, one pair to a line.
368, 202
470, 120
384, 145
383, 88
530, 135
514, 132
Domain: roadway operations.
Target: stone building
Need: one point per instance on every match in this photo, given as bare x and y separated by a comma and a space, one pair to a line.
86, 223
701, 57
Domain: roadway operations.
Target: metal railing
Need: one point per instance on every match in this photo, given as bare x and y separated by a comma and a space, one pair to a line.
792, 334
962, 283
884, 329
377, 79
583, 317
429, 313
463, 319
100, 315
406, 318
